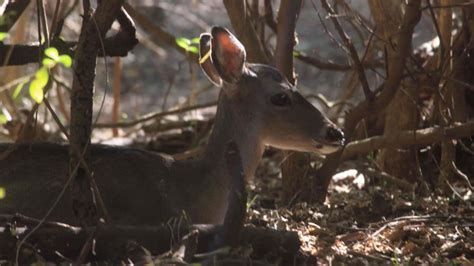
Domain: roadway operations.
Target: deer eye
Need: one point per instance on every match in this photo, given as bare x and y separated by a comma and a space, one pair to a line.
281, 99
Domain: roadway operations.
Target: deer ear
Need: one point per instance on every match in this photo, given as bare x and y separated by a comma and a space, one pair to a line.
205, 60
228, 55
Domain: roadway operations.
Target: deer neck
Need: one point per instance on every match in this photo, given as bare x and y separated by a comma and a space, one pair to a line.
238, 128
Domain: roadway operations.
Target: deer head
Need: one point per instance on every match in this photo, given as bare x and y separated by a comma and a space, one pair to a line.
264, 99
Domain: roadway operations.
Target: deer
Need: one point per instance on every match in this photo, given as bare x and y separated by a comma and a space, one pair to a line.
257, 107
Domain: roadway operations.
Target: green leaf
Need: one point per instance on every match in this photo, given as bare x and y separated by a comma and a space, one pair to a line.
49, 63
183, 43
3, 119
3, 36
43, 75
193, 49
188, 45
195, 40
52, 53
36, 91
66, 60
37, 85
2, 193
18, 89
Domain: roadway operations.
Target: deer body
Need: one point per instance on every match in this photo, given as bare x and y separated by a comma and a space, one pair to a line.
256, 107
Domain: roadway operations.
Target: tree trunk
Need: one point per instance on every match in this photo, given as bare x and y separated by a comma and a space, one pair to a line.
401, 114
445, 105
457, 65
92, 33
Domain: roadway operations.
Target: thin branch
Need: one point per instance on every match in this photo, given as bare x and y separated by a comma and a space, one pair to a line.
54, 23
12, 12
237, 11
270, 21
155, 116
353, 52
410, 20
44, 22
286, 37
404, 139
157, 32
397, 65
467, 4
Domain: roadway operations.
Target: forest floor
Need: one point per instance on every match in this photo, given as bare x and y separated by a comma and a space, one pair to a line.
366, 221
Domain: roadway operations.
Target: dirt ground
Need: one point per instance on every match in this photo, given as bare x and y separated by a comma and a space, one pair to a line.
368, 221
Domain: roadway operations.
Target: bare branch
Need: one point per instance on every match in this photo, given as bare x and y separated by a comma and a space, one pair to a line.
12, 12
286, 37
396, 65
421, 137
157, 32
155, 116
353, 52
245, 31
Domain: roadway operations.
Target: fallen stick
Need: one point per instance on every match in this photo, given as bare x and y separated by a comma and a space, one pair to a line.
111, 241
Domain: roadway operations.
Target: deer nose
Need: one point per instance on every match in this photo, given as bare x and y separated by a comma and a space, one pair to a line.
334, 134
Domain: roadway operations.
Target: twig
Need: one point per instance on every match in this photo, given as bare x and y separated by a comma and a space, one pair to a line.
81, 158
29, 221
117, 84
54, 23
168, 90
48, 213
325, 64
467, 4
461, 175
61, 102
397, 65
44, 21
16, 82
269, 15
409, 21
184, 13
352, 51
155, 115
157, 32
88, 245
402, 184
438, 31
367, 256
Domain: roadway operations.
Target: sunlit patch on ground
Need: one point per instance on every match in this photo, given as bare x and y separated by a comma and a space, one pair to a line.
365, 220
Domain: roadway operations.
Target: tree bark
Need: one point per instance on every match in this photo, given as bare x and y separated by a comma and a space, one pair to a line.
286, 37
93, 32
445, 105
237, 11
457, 65
402, 111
